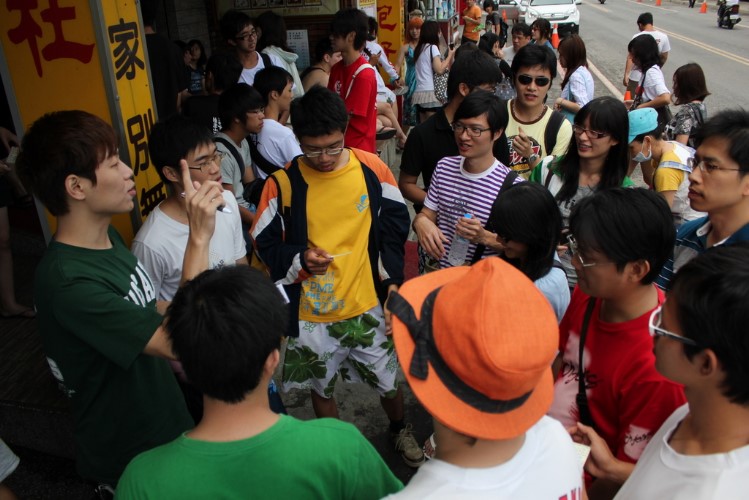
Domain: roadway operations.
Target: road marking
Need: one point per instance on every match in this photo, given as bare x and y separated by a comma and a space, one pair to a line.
606, 82
709, 48
654, 7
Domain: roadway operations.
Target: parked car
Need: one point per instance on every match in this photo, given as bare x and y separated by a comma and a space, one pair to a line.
510, 8
563, 13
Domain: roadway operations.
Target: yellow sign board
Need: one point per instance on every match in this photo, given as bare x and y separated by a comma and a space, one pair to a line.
391, 28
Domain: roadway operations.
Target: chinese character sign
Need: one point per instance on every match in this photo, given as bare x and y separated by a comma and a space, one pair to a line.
123, 37
390, 20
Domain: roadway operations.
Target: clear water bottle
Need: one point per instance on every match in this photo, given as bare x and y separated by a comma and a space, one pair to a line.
459, 248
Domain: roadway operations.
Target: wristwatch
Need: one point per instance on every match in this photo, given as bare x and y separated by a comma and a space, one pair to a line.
533, 157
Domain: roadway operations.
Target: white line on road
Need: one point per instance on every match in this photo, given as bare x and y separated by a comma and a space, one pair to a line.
654, 7
606, 82
709, 48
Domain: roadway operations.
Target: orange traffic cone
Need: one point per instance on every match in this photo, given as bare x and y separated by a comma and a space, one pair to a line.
703, 8
627, 95
657, 3
504, 15
555, 37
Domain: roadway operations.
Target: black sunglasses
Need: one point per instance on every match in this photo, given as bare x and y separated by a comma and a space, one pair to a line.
541, 81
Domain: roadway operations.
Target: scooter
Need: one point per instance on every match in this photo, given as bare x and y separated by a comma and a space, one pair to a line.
728, 17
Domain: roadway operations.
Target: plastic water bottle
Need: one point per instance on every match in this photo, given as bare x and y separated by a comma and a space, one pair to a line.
459, 248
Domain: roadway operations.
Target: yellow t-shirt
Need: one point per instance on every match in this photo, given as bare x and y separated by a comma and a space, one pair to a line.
536, 132
338, 221
668, 178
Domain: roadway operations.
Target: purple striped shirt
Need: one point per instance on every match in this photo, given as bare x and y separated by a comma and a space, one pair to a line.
454, 192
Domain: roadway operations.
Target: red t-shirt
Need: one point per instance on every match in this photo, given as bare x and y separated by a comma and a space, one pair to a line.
627, 397
360, 103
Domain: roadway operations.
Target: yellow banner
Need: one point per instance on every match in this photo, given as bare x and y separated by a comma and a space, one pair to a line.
390, 34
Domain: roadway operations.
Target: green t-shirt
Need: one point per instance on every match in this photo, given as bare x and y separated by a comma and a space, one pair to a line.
314, 459
96, 313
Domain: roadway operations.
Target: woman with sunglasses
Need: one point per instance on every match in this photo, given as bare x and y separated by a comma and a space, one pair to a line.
597, 158
541, 33
528, 225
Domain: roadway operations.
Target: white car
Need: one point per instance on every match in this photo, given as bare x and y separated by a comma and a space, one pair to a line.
563, 13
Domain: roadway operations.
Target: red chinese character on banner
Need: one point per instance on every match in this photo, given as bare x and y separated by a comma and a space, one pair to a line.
388, 48
29, 30
382, 14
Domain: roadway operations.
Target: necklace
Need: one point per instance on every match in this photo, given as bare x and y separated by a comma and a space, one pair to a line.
515, 115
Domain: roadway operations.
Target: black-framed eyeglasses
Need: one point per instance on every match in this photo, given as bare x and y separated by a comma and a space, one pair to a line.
246, 36
654, 326
472, 131
330, 151
593, 134
214, 158
707, 167
541, 81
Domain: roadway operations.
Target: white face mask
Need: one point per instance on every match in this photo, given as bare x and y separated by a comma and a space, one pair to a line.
640, 157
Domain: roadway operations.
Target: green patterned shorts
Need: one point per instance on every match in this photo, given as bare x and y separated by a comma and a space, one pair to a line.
356, 350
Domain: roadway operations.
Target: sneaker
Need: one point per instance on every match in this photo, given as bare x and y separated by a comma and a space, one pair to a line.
406, 445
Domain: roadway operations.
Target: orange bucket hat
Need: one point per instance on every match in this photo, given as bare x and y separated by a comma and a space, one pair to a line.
476, 345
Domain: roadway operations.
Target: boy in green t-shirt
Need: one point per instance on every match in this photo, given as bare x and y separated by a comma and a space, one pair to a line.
96, 304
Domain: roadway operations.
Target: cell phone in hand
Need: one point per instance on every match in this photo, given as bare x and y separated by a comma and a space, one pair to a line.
12, 156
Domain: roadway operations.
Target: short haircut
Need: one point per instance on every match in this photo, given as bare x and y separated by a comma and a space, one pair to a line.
527, 213
689, 84
644, 50
322, 47
733, 126
225, 69
544, 27
60, 144
272, 31
534, 55
473, 68
626, 225
318, 112
232, 23
711, 293
604, 114
235, 102
487, 41
481, 102
645, 18
347, 20
521, 29
223, 325
171, 140
488, 4
271, 78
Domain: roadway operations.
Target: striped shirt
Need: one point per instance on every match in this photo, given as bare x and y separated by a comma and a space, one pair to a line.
454, 192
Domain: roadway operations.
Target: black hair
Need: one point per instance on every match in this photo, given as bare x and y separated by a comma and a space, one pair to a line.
203, 58
235, 102
544, 27
429, 36
318, 112
656, 133
487, 41
346, 21
644, 50
373, 28
225, 69
535, 55
232, 23
733, 126
473, 68
605, 114
689, 84
223, 325
269, 79
272, 31
645, 18
323, 47
521, 29
171, 140
481, 102
527, 213
60, 144
489, 3
711, 293
626, 225
148, 11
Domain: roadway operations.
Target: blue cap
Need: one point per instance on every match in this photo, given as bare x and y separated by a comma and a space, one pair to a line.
642, 121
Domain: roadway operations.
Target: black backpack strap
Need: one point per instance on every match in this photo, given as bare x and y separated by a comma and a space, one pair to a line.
258, 159
509, 181
581, 398
266, 60
234, 152
552, 129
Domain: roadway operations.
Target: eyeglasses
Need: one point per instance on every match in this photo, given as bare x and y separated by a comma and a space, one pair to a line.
214, 158
655, 329
707, 167
459, 128
246, 36
572, 242
541, 81
535, 29
327, 151
592, 134
258, 111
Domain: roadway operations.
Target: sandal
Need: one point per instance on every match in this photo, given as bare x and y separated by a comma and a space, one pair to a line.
385, 133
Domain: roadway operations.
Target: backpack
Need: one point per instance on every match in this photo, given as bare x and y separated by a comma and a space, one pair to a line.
552, 129
254, 188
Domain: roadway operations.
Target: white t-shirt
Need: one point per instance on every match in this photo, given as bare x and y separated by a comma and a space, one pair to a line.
654, 84
231, 173
248, 74
580, 86
277, 144
663, 46
546, 467
161, 241
424, 69
661, 472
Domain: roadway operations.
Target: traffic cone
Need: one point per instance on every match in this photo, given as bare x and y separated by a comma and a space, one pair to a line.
504, 15
627, 95
657, 3
703, 8
555, 37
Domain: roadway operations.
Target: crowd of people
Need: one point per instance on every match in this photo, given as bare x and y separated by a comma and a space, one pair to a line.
571, 334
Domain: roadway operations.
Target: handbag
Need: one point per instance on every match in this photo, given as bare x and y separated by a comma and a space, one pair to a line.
440, 86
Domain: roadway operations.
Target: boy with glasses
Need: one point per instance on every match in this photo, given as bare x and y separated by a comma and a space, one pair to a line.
331, 228
718, 185
241, 34
606, 374
534, 129
701, 450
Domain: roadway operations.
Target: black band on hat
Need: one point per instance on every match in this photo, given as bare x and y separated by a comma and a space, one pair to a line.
425, 352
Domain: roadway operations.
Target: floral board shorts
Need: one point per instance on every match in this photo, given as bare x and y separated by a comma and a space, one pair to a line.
355, 349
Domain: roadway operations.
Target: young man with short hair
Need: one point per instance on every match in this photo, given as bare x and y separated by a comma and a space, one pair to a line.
353, 79
633, 74
471, 18
718, 185
534, 130
97, 307
619, 238
476, 344
241, 35
275, 142
521, 36
226, 326
702, 449
331, 228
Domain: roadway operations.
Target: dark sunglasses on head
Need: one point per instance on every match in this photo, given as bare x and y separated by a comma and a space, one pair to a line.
541, 81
